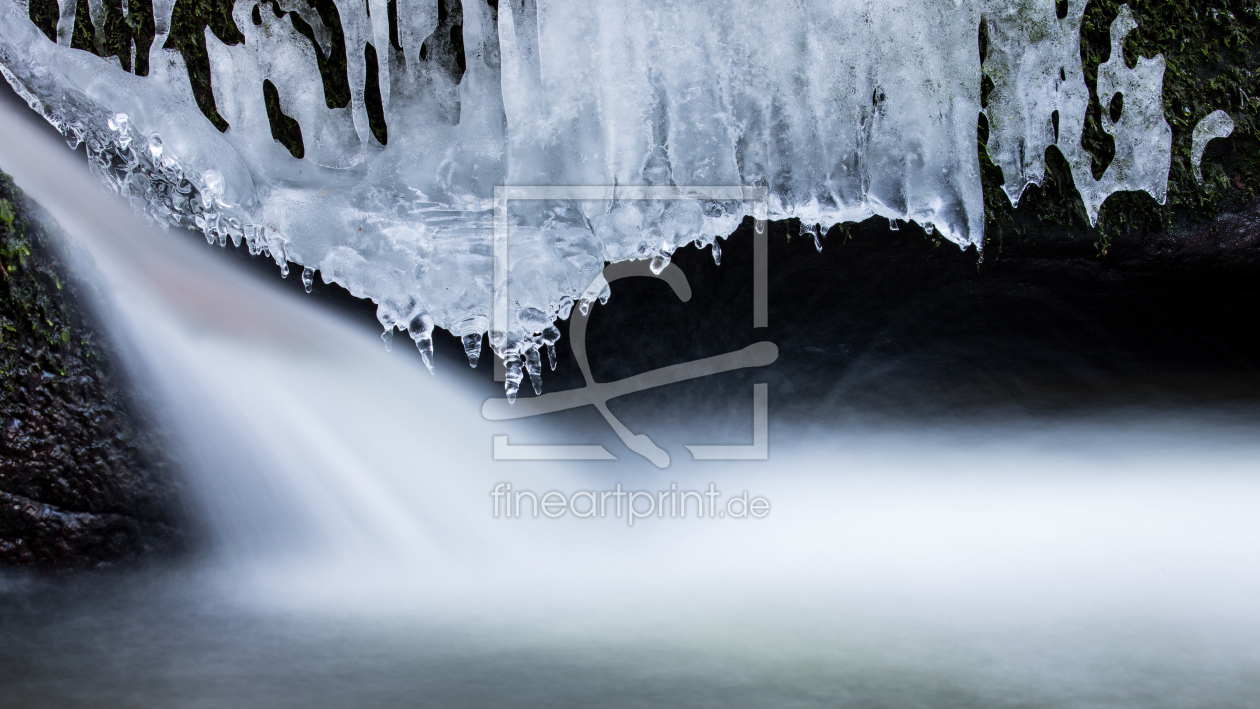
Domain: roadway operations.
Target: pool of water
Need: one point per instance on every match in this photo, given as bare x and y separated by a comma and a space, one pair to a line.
1071, 565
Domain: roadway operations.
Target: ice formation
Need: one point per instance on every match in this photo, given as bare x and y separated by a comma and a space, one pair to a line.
411, 112
1041, 98
1216, 124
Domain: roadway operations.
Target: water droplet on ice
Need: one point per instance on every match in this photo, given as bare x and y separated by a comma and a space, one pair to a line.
659, 263
892, 225
213, 181
284, 270
308, 278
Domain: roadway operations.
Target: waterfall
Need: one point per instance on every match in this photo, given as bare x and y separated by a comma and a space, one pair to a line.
366, 547
307, 446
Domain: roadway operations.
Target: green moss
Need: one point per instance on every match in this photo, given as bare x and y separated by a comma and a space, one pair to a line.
36, 318
1211, 63
45, 13
42, 323
189, 20
83, 35
71, 441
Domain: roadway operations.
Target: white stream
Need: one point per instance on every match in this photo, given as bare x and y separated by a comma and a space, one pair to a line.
357, 561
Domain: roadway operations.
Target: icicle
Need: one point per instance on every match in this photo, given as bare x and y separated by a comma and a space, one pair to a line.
814, 232
308, 278
551, 335
388, 338
472, 348
512, 381
659, 263
534, 366
284, 269
421, 330
892, 225
717, 252
604, 295
929, 228
234, 227
566, 308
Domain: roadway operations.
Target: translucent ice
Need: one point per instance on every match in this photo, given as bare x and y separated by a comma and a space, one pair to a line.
472, 348
407, 115
1034, 60
1216, 124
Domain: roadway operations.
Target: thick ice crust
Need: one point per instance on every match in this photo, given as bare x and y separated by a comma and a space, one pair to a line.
841, 109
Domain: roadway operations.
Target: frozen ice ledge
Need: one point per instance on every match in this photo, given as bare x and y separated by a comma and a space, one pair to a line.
400, 118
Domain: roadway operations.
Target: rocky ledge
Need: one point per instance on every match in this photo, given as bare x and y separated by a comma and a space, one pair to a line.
82, 481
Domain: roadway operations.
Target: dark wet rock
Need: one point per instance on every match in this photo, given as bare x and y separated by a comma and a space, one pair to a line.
889, 324
82, 479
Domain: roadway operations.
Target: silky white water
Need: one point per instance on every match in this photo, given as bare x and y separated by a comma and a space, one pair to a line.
356, 559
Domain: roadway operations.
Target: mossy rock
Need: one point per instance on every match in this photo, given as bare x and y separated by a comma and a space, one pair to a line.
1210, 49
83, 481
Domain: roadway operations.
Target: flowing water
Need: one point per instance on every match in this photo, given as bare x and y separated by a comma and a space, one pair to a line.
356, 560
